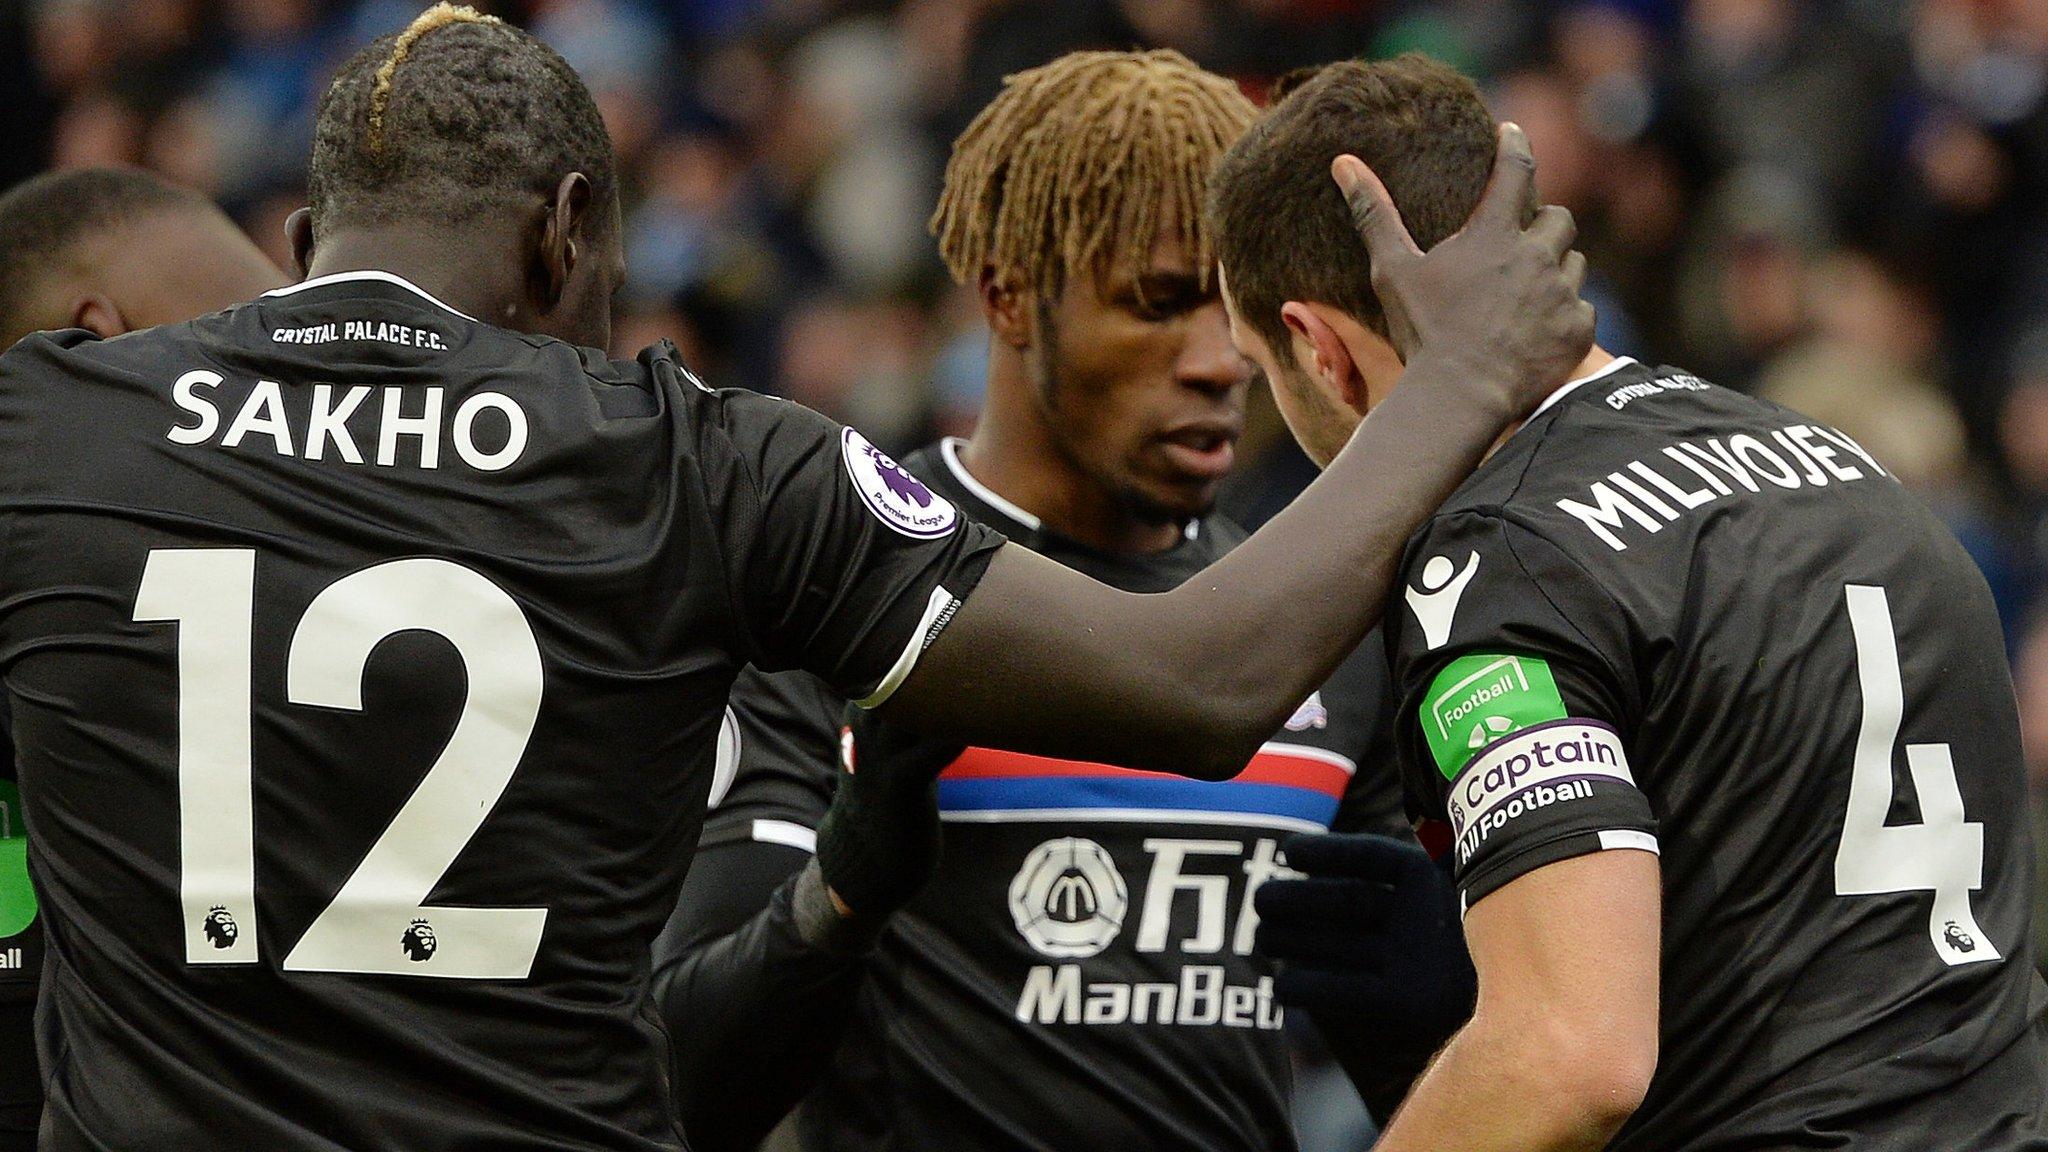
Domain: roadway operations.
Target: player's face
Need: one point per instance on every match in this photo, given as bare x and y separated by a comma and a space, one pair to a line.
1321, 422
1143, 391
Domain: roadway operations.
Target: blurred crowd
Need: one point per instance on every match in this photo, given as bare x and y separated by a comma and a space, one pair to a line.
1840, 204
1837, 204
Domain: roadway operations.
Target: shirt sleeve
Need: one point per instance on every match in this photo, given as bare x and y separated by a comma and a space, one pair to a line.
1361, 693
840, 562
1517, 703
785, 761
753, 1012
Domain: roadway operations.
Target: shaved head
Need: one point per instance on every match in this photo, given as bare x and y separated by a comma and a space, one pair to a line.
459, 115
115, 250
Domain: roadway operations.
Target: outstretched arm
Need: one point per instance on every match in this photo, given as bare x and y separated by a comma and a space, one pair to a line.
1192, 680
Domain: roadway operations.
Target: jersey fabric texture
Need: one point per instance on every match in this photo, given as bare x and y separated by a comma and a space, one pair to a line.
1668, 617
1079, 972
365, 666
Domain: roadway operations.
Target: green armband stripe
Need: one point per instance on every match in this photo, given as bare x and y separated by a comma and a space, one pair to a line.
17, 895
1478, 699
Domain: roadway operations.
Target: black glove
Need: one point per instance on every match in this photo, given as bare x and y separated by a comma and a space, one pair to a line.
879, 842
1372, 948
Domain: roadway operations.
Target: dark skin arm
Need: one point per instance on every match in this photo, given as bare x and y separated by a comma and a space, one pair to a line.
1191, 681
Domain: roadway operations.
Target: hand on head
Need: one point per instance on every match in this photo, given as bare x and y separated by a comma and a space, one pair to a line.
1498, 295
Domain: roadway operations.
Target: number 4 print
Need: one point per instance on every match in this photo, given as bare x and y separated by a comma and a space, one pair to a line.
1944, 853
377, 922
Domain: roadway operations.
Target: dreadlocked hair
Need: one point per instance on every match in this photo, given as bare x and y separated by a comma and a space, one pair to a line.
1072, 167
439, 16
457, 115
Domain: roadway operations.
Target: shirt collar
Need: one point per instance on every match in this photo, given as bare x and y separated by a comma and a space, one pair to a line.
949, 452
371, 274
1570, 386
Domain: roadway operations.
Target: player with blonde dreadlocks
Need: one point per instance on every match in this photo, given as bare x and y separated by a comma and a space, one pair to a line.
1073, 205
1077, 974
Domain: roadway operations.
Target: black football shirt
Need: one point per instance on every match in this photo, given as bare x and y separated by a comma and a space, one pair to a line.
1079, 972
365, 666
1667, 617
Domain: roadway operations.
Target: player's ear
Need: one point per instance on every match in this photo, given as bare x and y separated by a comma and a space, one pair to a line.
298, 233
564, 239
98, 314
1006, 304
1318, 345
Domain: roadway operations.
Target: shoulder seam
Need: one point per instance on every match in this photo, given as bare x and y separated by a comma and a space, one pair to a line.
753, 480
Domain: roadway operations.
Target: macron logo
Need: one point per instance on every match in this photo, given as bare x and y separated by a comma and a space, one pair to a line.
1435, 604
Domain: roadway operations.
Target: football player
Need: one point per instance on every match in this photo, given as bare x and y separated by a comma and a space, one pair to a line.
108, 250
1078, 971
367, 643
1717, 712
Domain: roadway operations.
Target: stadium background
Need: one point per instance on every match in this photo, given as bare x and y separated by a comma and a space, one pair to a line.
1842, 205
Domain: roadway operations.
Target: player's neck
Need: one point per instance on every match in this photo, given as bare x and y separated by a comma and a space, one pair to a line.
1013, 457
1595, 360
470, 277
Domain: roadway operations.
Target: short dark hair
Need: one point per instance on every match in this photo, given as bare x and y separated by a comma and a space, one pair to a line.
456, 116
1283, 231
43, 219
